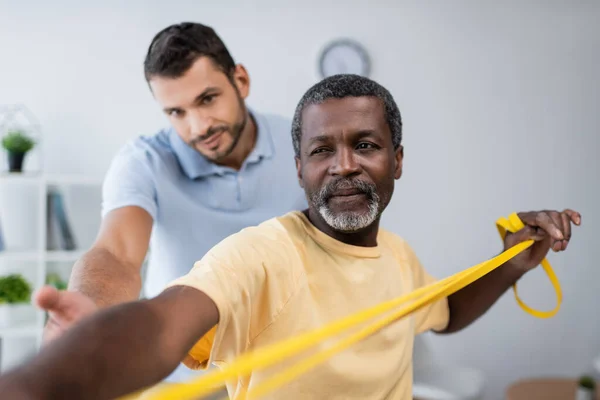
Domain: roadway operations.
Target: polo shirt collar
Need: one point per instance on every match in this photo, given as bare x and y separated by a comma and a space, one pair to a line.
195, 165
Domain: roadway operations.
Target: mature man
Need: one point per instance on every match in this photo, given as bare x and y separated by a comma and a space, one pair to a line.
188, 187
290, 274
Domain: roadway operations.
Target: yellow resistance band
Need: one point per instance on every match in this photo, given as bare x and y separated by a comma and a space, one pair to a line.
269, 355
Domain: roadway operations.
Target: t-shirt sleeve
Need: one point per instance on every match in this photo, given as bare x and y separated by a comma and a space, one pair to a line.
232, 274
130, 181
436, 315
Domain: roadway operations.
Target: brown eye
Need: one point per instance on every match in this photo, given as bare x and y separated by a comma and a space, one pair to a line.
319, 150
208, 99
366, 146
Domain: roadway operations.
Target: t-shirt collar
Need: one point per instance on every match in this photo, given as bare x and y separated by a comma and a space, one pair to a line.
333, 244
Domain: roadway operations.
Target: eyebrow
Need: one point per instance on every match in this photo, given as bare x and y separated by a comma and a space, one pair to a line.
318, 139
365, 132
198, 98
358, 134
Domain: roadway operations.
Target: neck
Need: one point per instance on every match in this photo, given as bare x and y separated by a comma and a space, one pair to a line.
366, 237
244, 146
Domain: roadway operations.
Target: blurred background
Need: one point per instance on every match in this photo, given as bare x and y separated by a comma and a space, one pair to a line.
500, 104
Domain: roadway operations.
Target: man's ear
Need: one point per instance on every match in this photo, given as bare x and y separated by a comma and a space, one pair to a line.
399, 156
242, 80
299, 171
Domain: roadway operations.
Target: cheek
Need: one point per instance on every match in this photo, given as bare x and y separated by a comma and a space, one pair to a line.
313, 178
381, 171
386, 188
228, 109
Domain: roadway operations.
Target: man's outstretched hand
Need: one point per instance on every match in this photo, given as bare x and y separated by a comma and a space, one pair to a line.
550, 229
64, 308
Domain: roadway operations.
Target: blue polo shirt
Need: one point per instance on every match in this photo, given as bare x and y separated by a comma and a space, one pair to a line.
194, 203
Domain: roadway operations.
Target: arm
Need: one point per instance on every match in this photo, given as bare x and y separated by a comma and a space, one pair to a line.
118, 350
472, 301
549, 230
109, 273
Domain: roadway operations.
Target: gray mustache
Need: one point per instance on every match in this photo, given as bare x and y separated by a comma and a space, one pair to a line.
343, 184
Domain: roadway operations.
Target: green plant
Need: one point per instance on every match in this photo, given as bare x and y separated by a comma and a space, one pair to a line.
55, 280
17, 142
587, 382
14, 289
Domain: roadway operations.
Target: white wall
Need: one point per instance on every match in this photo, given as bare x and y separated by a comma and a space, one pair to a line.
477, 83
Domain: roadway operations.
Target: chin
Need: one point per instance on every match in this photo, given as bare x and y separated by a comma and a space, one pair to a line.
347, 221
216, 154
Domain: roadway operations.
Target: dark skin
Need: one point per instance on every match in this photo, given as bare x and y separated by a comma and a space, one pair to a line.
551, 230
121, 349
348, 138
351, 138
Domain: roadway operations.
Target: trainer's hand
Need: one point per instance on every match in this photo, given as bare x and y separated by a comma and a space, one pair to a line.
550, 230
64, 308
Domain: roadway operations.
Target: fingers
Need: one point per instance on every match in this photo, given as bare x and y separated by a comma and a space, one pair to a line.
545, 221
48, 298
573, 216
558, 244
62, 305
553, 223
566, 222
52, 330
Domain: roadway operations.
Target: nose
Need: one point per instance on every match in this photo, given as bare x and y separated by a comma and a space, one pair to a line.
199, 123
345, 163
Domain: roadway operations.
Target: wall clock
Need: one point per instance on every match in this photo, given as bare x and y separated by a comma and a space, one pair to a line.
344, 56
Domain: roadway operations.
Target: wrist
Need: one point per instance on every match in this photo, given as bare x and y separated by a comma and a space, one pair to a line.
512, 272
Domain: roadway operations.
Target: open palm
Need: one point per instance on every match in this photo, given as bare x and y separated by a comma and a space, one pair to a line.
65, 309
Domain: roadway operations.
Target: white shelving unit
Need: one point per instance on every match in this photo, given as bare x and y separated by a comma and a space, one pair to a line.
26, 193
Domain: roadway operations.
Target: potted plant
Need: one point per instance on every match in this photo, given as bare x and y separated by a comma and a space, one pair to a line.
586, 388
17, 144
54, 279
15, 295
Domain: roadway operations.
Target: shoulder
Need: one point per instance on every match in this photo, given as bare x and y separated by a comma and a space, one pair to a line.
398, 245
279, 127
269, 241
145, 149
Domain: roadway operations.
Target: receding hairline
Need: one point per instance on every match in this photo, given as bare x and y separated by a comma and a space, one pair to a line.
321, 102
365, 128
343, 86
311, 102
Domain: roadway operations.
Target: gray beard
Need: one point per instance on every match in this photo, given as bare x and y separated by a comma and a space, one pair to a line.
348, 221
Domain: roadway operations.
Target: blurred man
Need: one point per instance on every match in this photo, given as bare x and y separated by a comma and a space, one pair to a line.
291, 274
219, 168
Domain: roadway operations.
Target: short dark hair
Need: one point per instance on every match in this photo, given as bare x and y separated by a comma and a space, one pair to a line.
174, 49
348, 85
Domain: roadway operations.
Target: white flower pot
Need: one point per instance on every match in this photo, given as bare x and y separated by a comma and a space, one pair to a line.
12, 315
584, 394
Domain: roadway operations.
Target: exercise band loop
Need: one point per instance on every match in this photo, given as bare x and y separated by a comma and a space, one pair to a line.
272, 354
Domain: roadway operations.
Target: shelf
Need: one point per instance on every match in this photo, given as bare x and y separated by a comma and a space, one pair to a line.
73, 180
27, 178
19, 255
50, 256
50, 179
30, 330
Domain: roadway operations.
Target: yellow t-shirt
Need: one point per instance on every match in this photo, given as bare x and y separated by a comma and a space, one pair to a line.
284, 277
